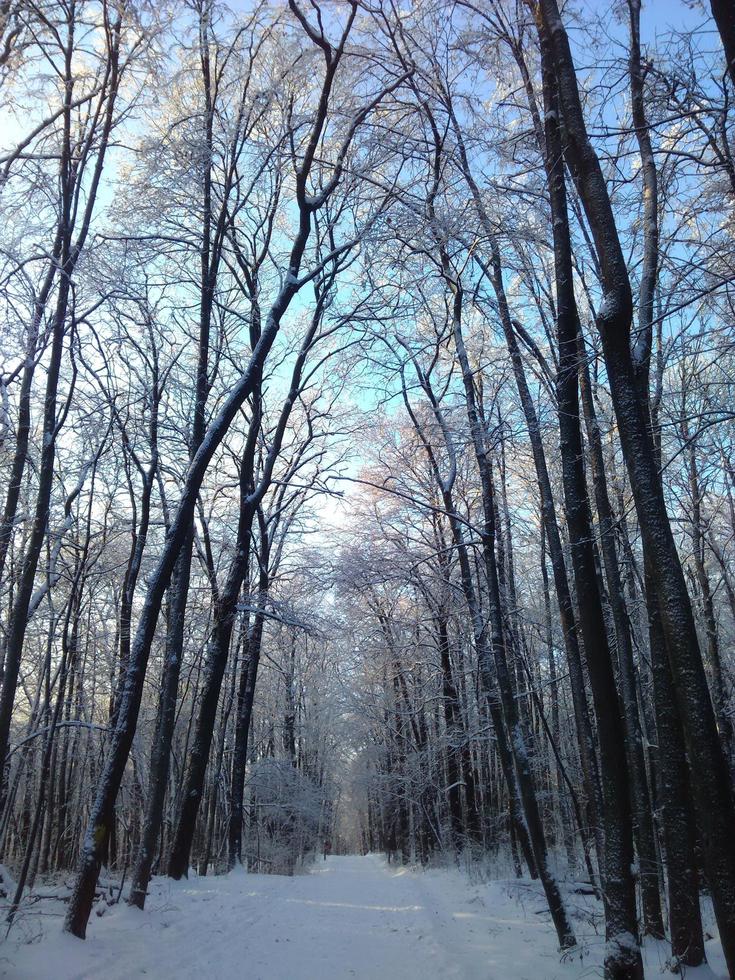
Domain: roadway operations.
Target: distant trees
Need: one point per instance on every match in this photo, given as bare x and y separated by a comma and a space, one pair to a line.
366, 427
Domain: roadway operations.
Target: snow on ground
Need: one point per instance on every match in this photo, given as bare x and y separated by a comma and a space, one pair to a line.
349, 917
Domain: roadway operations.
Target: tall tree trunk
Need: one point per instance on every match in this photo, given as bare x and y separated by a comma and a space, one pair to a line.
714, 660
209, 260
163, 731
245, 700
73, 229
214, 670
19, 614
450, 707
23, 430
479, 626
710, 775
498, 620
642, 815
622, 958
679, 830
494, 273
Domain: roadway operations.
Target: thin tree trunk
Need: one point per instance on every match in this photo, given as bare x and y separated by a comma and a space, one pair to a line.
548, 510
505, 686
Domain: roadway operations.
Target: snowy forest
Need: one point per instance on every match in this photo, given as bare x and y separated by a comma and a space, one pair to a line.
367, 477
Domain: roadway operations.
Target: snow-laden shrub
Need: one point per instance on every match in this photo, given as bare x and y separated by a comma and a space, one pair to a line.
288, 817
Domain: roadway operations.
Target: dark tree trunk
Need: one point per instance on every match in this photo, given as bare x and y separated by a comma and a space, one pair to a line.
450, 706
548, 510
68, 249
214, 670
623, 958
479, 633
640, 797
718, 686
724, 15
710, 775
245, 699
23, 429
503, 681
19, 615
164, 728
679, 831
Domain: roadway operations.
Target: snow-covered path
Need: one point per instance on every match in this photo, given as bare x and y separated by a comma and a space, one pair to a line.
350, 917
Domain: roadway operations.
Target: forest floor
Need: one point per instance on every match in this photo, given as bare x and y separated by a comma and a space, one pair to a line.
349, 917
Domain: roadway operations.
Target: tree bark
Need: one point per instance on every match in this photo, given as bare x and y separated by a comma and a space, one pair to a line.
724, 15
504, 683
710, 774
622, 958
